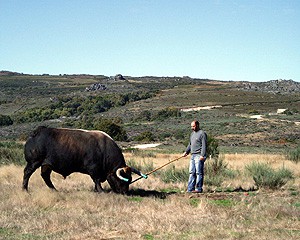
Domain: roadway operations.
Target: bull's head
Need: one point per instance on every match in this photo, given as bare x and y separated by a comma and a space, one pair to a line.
120, 180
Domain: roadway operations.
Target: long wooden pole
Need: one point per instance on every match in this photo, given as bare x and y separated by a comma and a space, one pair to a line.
148, 173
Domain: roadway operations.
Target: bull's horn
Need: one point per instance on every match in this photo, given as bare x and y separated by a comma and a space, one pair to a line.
139, 173
118, 173
135, 170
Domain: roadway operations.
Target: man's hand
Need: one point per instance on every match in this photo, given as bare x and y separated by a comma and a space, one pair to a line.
202, 158
184, 154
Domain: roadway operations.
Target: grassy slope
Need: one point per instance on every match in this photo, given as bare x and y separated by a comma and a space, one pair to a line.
230, 123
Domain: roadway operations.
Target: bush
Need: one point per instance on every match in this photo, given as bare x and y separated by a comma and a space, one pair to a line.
5, 120
253, 111
179, 135
215, 171
294, 155
264, 176
144, 116
11, 153
113, 129
212, 147
288, 112
145, 137
167, 113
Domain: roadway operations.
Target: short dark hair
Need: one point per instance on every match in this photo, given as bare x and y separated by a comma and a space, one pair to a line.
197, 123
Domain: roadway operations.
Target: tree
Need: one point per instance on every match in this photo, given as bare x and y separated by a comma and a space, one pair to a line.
5, 120
212, 147
111, 128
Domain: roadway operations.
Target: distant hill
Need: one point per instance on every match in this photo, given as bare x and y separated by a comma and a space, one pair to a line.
9, 73
274, 86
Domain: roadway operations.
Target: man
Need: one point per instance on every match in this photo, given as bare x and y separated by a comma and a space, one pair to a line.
197, 147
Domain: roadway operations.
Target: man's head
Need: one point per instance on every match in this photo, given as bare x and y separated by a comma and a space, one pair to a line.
195, 126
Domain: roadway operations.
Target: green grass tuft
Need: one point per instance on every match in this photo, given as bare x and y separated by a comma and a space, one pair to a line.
264, 176
294, 155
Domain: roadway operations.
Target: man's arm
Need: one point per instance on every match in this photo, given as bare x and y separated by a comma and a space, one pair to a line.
204, 146
187, 151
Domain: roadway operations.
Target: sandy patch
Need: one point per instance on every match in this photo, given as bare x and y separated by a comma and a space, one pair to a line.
257, 116
200, 108
149, 145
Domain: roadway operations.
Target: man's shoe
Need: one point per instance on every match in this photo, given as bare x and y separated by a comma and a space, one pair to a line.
197, 191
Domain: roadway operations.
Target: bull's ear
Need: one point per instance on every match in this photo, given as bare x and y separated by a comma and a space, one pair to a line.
127, 170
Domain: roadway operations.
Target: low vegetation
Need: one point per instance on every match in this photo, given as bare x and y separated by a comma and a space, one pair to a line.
5, 120
76, 106
11, 153
155, 208
294, 155
264, 176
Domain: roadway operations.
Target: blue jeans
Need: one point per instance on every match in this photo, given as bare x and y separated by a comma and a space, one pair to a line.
196, 171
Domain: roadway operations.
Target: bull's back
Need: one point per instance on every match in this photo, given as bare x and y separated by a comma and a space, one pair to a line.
73, 150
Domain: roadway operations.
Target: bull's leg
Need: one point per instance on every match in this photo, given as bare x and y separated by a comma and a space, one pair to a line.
98, 187
45, 172
28, 171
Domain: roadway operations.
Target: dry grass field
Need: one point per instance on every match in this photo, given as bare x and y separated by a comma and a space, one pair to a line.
149, 212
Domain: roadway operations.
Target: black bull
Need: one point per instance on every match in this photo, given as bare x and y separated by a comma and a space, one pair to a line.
68, 150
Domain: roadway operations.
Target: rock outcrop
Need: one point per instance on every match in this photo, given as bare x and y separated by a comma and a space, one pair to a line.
274, 86
96, 87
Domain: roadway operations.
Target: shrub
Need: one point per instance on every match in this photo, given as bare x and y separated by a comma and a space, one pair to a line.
113, 129
146, 136
253, 111
164, 135
5, 120
11, 152
212, 147
179, 135
264, 176
288, 112
215, 171
144, 115
166, 113
123, 99
294, 155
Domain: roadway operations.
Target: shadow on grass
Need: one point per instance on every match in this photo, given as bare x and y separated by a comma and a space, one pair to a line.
238, 189
149, 193
162, 194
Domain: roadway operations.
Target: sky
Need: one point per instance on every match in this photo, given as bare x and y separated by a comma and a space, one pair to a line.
238, 40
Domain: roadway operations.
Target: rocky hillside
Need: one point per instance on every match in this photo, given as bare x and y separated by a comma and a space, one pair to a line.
275, 86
